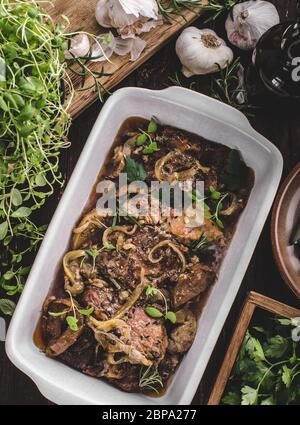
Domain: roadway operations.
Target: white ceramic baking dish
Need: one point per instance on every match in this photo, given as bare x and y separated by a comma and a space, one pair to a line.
189, 111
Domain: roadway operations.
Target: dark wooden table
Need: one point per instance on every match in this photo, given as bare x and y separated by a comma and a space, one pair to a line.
283, 129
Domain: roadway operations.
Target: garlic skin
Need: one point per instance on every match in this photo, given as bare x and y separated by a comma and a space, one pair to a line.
129, 17
248, 21
79, 47
107, 44
201, 52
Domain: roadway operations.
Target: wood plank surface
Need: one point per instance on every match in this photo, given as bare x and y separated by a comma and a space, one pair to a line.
81, 15
283, 129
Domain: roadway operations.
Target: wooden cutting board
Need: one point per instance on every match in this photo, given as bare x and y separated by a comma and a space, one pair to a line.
81, 16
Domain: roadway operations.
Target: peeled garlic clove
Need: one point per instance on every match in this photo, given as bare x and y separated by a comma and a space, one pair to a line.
248, 21
79, 47
103, 48
202, 52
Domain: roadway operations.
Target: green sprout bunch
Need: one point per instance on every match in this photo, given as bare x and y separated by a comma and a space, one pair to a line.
34, 125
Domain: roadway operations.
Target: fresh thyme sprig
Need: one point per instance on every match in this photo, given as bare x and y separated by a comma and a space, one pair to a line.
150, 379
171, 9
217, 8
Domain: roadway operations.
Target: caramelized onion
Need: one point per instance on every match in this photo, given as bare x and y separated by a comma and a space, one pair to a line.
171, 245
233, 207
81, 233
72, 284
122, 229
162, 174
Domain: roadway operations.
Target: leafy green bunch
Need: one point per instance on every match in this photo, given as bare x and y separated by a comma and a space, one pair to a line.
267, 371
33, 130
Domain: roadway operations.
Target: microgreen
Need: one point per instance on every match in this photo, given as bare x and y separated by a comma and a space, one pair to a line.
109, 246
152, 147
94, 254
7, 306
151, 291
33, 128
216, 215
144, 136
71, 319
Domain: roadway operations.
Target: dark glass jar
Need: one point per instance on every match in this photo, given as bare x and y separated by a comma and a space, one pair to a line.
275, 69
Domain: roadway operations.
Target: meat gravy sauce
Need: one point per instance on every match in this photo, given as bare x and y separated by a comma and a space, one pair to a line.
125, 303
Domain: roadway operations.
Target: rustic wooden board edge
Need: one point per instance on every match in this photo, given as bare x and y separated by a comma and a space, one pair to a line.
253, 301
83, 99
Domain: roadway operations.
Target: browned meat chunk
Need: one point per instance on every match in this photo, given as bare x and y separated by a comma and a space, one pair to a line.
124, 266
183, 335
105, 299
82, 353
57, 335
190, 284
148, 335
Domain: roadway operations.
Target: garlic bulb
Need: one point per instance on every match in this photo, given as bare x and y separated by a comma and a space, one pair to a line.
129, 17
79, 47
202, 51
248, 21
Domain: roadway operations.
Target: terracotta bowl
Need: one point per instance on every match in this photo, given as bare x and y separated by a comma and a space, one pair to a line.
285, 219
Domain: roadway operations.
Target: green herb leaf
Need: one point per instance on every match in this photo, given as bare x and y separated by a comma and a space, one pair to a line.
276, 347
171, 316
72, 323
215, 195
135, 170
109, 246
152, 126
16, 197
287, 375
86, 312
3, 230
40, 180
7, 307
268, 401
153, 312
249, 396
141, 140
152, 147
150, 291
22, 212
231, 399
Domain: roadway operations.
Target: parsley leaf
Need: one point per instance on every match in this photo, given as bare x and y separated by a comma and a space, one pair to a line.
249, 396
135, 170
277, 346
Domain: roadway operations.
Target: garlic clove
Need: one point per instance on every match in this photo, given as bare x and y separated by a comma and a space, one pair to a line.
202, 52
248, 21
79, 47
103, 49
129, 17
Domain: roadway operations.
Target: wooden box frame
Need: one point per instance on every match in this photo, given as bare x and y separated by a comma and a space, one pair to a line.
253, 301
